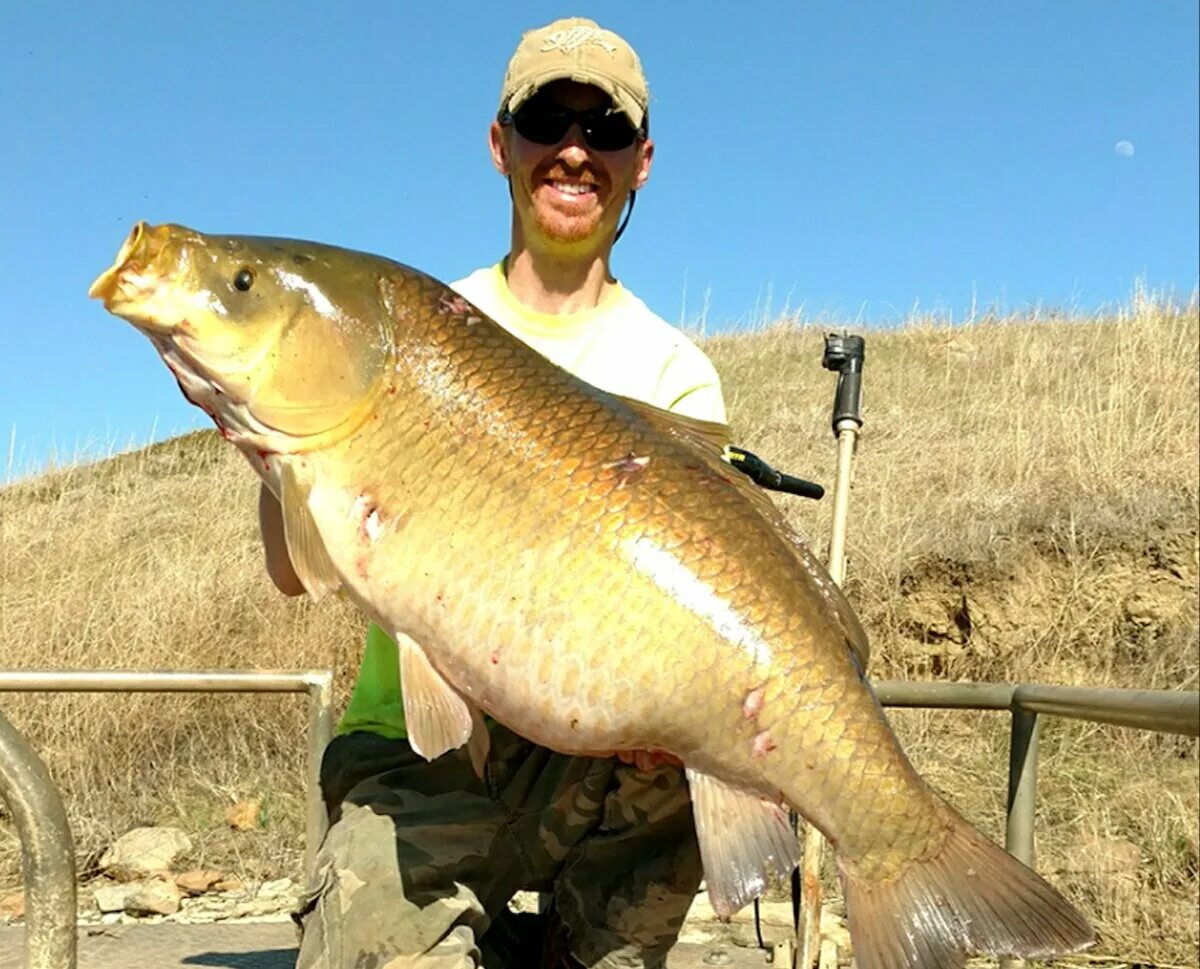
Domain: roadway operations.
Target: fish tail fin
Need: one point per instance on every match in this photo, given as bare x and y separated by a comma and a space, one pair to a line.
971, 897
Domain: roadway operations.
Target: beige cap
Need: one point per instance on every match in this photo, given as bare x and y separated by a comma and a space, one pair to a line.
577, 49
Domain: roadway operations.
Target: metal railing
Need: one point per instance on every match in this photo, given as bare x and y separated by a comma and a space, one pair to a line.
48, 863
47, 856
1164, 711
47, 852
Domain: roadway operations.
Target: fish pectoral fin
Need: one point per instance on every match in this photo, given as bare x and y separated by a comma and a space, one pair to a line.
305, 546
743, 839
437, 716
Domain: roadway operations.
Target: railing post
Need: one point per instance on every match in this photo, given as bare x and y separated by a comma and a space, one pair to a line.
320, 732
1022, 784
1022, 793
47, 852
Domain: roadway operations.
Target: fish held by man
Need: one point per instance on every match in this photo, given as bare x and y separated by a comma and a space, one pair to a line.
583, 568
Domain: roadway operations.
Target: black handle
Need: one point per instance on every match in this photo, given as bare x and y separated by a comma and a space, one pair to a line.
846, 354
762, 474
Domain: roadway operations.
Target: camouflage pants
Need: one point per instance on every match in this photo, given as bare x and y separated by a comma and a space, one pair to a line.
422, 858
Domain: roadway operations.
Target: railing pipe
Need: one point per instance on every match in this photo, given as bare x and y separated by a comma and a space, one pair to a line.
1164, 711
47, 852
318, 684
159, 681
945, 696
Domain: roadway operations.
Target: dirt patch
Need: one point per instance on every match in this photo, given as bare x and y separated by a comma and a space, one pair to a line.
1038, 609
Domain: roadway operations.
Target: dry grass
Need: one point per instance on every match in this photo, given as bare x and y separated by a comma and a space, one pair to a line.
1025, 508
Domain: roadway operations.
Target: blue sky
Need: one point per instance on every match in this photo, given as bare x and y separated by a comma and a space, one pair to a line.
852, 159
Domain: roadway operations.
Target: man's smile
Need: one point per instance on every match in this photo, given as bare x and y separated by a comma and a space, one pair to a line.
573, 188
570, 191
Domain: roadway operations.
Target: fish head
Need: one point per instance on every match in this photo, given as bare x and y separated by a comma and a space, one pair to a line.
275, 339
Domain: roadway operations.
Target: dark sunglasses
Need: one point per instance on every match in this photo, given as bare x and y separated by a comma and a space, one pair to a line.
545, 122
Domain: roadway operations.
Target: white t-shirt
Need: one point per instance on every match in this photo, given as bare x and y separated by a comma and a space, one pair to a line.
620, 346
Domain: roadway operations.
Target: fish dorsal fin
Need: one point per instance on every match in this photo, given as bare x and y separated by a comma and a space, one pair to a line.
437, 717
843, 613
709, 435
710, 440
743, 840
305, 547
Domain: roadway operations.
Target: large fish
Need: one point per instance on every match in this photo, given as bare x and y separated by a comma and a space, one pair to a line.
581, 567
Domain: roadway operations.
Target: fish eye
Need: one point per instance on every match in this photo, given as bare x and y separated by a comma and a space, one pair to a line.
244, 279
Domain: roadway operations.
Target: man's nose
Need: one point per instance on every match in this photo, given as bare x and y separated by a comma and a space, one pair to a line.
573, 147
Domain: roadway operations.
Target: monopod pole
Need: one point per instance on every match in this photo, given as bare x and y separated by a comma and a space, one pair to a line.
845, 355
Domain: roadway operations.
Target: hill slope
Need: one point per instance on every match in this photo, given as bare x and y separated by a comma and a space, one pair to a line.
1025, 509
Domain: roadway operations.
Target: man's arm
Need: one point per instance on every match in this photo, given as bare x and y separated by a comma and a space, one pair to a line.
279, 563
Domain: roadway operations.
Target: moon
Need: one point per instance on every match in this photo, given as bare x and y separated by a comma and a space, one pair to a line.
1124, 148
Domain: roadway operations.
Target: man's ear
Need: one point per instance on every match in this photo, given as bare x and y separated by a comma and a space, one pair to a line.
498, 148
645, 159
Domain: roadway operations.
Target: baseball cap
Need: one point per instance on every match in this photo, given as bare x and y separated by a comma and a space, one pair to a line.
577, 49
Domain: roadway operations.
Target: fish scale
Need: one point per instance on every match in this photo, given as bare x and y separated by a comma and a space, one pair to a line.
599, 514
584, 568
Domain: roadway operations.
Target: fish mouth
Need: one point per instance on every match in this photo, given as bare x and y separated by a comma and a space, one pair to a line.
132, 277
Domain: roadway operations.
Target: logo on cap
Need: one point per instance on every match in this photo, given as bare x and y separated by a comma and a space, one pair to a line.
575, 37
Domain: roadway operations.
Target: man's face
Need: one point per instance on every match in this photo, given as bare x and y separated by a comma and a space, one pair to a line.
569, 192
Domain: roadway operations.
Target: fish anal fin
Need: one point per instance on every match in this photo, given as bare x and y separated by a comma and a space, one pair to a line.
305, 547
437, 716
480, 743
970, 897
743, 840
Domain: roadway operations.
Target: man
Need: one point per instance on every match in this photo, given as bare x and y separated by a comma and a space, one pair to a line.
422, 858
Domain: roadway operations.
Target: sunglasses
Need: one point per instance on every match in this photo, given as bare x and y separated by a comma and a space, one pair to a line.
544, 122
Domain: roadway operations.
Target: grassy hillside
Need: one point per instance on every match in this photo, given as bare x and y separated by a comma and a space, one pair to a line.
1025, 509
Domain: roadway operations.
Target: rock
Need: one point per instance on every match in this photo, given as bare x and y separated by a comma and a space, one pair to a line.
524, 902
159, 897
144, 851
112, 898
1114, 865
199, 881
833, 929
274, 889
12, 906
1147, 607
1115, 857
205, 908
245, 815
259, 907
230, 885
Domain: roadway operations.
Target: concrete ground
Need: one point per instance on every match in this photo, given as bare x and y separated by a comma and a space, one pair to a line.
269, 945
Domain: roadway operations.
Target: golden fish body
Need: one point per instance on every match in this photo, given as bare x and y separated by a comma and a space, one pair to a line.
583, 568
